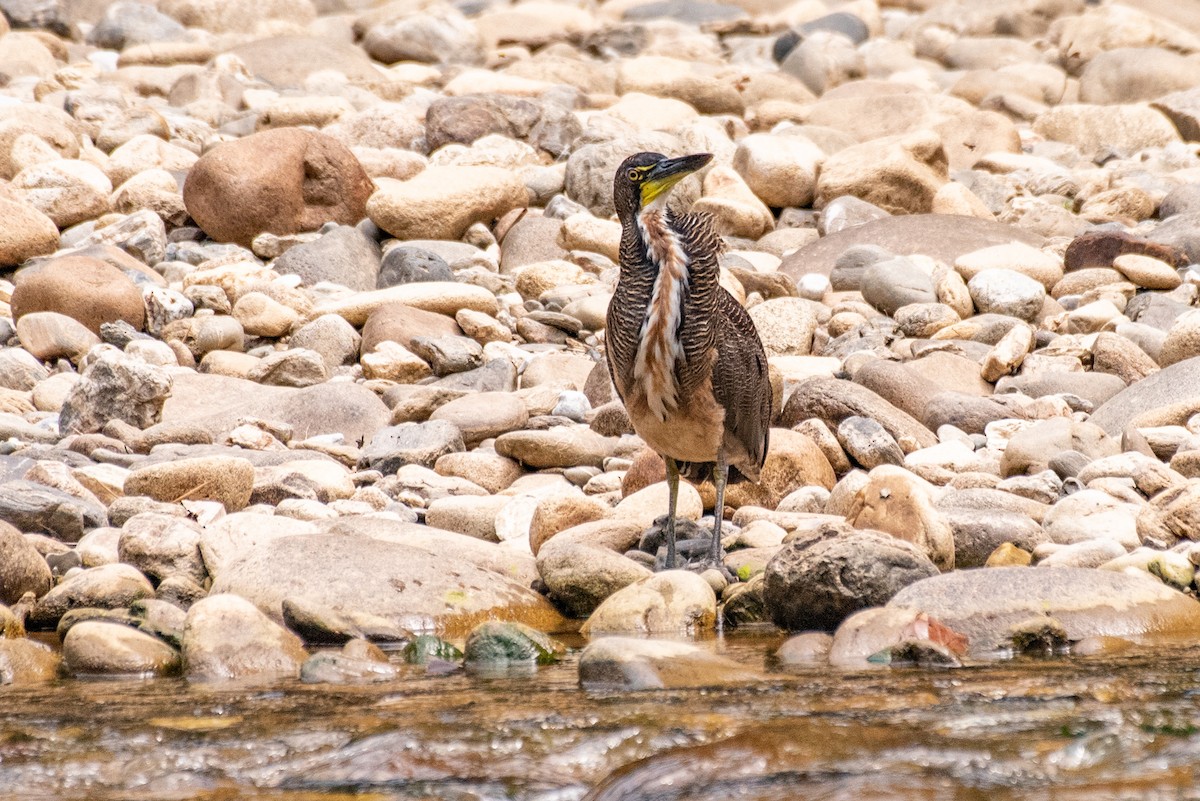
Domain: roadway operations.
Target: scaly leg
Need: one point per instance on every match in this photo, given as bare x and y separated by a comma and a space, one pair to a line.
672, 499
720, 474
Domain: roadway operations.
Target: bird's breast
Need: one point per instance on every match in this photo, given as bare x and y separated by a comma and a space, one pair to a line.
660, 346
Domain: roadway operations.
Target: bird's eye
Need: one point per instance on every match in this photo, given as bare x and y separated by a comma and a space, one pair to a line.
633, 175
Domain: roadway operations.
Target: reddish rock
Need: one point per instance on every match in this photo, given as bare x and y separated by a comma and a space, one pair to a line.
283, 181
86, 289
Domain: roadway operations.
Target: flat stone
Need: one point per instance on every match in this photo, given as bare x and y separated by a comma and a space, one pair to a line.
940, 236
985, 605
406, 582
227, 480
626, 663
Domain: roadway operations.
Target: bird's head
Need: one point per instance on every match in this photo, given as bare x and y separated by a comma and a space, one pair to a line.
644, 179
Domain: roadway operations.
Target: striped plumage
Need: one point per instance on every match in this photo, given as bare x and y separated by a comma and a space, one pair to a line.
683, 354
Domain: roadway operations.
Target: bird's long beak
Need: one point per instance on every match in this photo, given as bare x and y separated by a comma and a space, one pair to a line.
668, 172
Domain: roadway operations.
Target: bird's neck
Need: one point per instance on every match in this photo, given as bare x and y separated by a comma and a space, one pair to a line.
660, 345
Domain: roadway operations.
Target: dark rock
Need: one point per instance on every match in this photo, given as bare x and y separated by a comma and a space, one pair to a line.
495, 644
1099, 248
841, 22
410, 443
818, 580
34, 507
343, 255
407, 265
977, 534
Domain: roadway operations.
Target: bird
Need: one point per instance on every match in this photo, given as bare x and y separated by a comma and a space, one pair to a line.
684, 356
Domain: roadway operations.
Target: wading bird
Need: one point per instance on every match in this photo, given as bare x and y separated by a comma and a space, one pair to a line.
684, 356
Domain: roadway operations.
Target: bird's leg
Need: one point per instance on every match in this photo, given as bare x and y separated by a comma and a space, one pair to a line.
720, 474
672, 498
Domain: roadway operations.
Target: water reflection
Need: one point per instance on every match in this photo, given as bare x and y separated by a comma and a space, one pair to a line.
1062, 729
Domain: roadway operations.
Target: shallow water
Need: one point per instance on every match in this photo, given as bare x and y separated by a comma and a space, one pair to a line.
1066, 728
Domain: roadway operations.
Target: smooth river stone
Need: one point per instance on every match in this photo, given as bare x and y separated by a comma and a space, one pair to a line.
419, 584
943, 237
985, 605
443, 297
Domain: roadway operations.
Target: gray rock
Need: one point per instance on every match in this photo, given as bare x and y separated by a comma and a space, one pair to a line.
34, 507
320, 624
498, 375
1178, 383
115, 387
978, 533
464, 119
1031, 449
943, 237
833, 400
343, 255
407, 265
442, 37
868, 443
207, 402
1096, 388
889, 284
131, 23
448, 354
410, 443
848, 211
1007, 292
406, 581
847, 272
986, 605
818, 580
1183, 199
20, 370
22, 568
113, 586
339, 668
226, 637
331, 336
294, 367
1181, 232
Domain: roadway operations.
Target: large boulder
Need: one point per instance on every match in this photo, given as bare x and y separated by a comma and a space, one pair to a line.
445, 583
281, 181
989, 605
818, 579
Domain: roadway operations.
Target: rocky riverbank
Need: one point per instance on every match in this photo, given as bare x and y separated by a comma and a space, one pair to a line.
303, 331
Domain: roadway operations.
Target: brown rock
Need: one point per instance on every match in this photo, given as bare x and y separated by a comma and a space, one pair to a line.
26, 232
833, 400
556, 514
86, 289
900, 175
1100, 248
400, 322
283, 181
899, 503
793, 461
